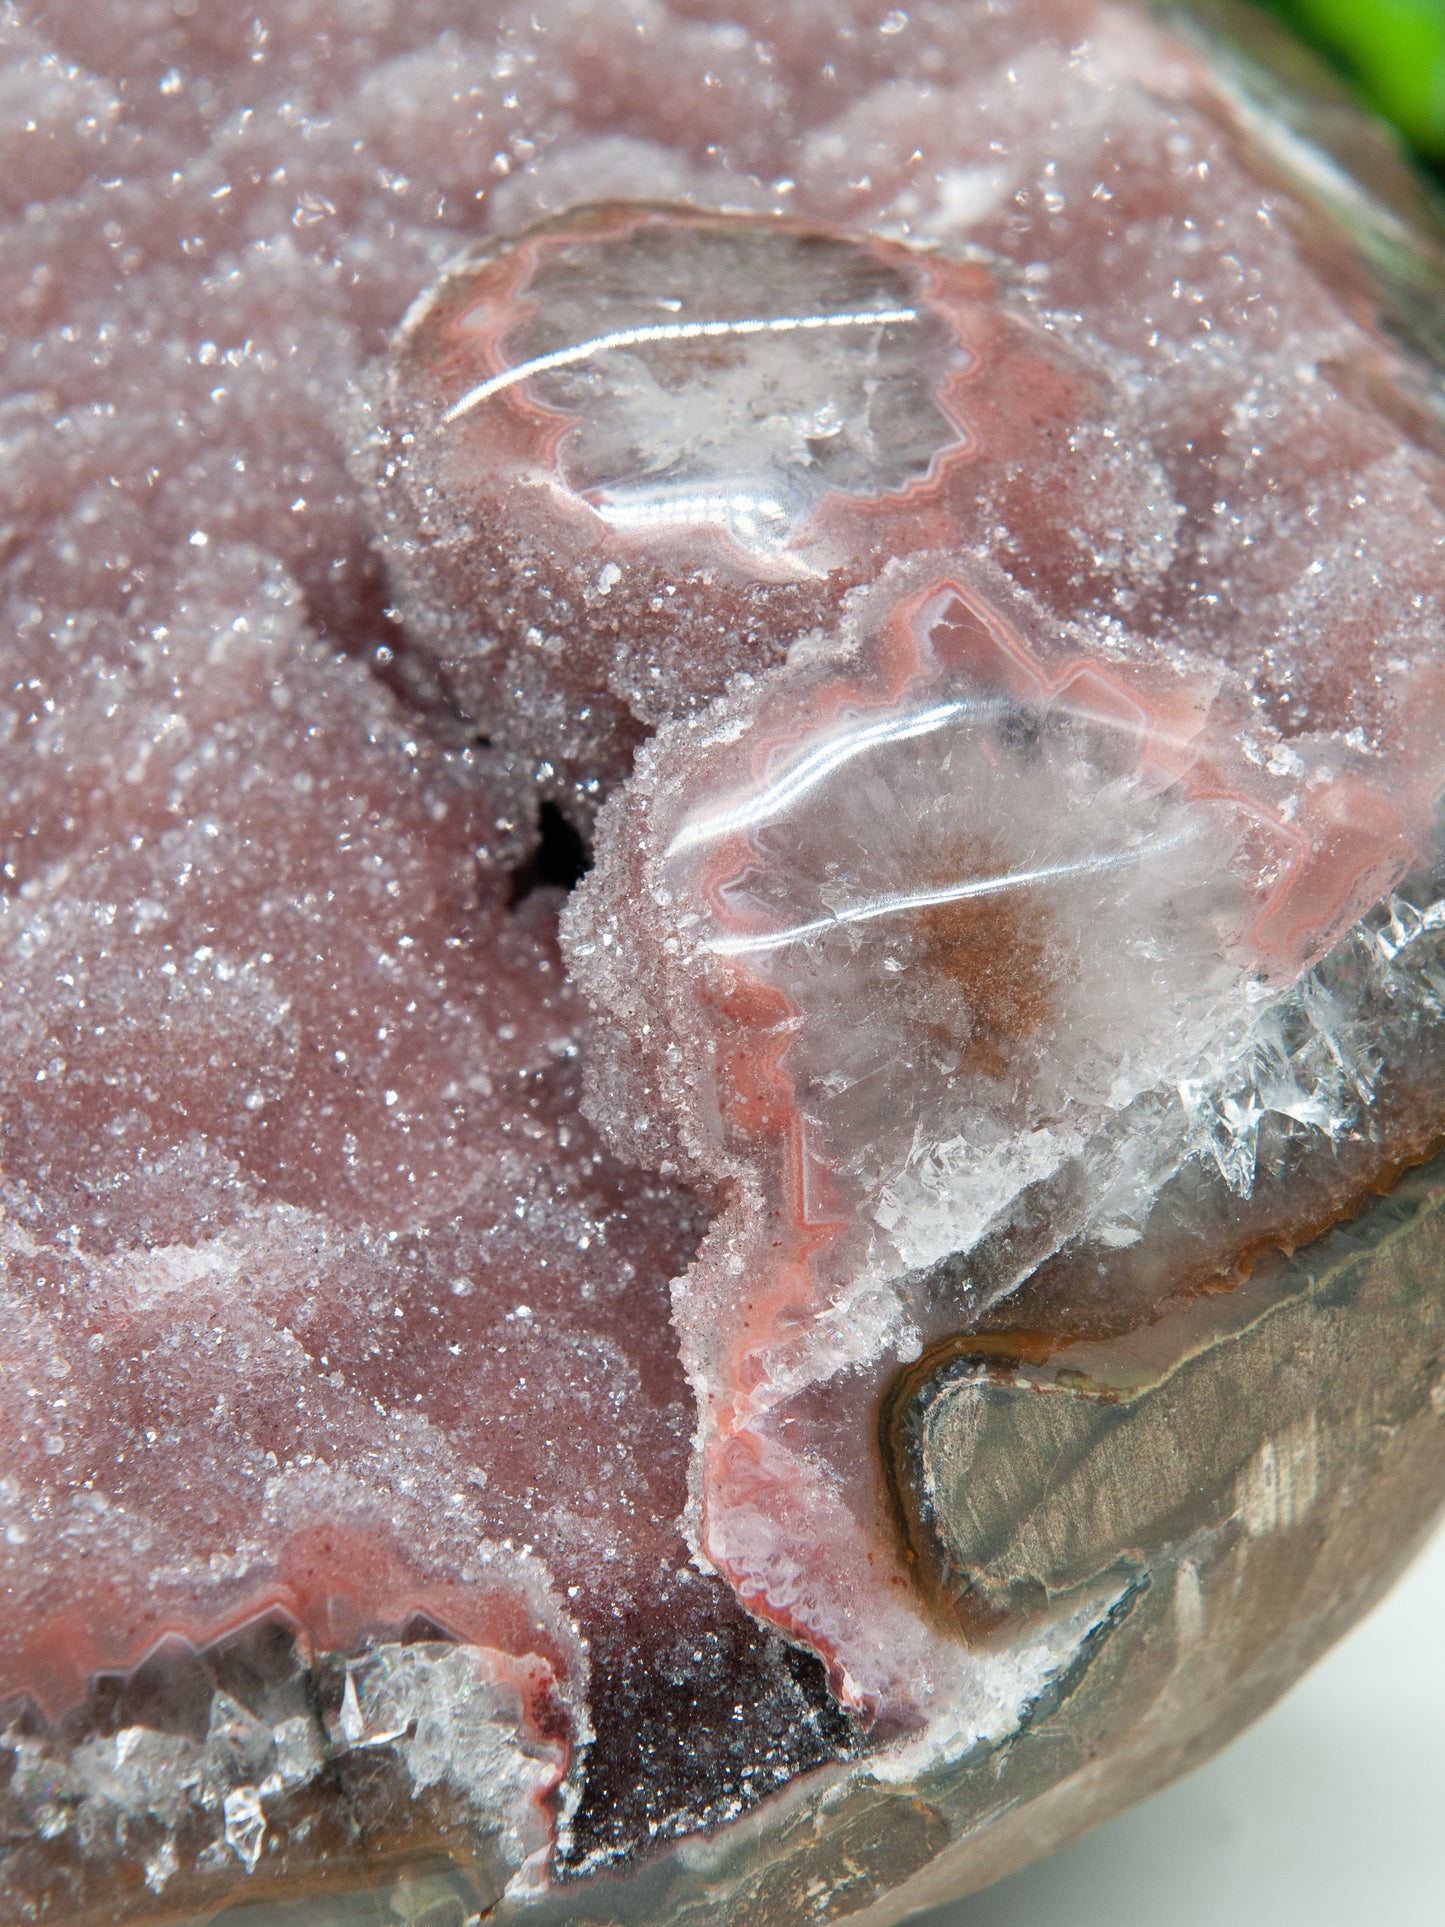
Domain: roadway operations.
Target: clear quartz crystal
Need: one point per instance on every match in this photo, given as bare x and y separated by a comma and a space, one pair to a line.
723, 377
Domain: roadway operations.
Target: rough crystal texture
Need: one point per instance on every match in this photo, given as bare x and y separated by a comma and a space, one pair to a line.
952, 433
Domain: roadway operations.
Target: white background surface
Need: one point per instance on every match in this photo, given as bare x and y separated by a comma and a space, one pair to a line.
1330, 1812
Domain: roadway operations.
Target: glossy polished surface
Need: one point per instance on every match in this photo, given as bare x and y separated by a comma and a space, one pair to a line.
1322, 1817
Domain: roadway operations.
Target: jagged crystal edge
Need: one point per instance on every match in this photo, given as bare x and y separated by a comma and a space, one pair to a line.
1304, 1063
434, 1707
1312, 1059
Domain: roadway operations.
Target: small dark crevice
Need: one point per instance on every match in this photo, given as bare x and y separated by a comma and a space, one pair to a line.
558, 859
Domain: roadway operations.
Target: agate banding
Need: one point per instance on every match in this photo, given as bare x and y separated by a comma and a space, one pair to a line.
699, 432
893, 1318
951, 916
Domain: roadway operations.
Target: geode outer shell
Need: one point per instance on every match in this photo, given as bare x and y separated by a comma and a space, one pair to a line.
1277, 1480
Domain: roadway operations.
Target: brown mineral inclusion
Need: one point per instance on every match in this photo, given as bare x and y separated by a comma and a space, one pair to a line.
722, 930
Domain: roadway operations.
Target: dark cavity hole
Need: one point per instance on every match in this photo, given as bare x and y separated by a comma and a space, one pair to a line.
559, 858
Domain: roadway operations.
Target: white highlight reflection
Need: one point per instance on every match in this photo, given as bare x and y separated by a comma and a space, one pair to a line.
819, 764
671, 331
758, 523
902, 903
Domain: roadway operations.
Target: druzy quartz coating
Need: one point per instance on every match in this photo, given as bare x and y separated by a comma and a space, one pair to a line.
887, 1324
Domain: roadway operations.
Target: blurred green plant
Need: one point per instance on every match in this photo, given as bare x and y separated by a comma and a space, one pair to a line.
1394, 50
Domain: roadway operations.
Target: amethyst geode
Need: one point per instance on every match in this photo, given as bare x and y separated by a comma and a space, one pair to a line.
907, 1307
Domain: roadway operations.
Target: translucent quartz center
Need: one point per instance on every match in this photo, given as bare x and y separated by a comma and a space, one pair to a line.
973, 904
722, 375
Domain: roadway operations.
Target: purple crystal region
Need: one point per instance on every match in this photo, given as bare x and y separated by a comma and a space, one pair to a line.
722, 737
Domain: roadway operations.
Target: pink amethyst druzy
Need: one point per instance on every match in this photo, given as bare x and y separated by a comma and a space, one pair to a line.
969, 522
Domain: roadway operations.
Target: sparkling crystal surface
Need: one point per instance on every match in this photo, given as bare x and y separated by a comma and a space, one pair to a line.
953, 501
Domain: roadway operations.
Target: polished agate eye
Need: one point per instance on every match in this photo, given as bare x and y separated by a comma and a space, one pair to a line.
660, 376
627, 454
686, 376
